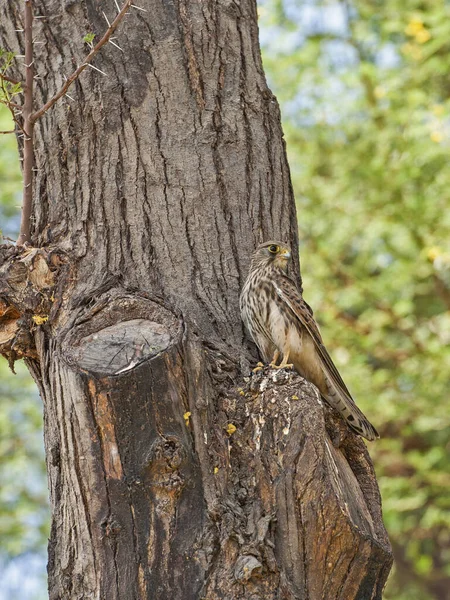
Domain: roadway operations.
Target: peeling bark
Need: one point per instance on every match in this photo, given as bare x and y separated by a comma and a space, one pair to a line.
173, 474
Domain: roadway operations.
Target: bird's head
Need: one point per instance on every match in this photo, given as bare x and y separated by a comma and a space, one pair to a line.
272, 253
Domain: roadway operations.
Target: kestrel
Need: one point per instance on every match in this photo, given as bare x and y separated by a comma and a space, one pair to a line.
281, 322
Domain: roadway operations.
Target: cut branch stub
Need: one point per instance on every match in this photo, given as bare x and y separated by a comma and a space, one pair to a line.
120, 347
120, 332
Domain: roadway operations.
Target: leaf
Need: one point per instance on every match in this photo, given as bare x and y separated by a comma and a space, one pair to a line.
89, 38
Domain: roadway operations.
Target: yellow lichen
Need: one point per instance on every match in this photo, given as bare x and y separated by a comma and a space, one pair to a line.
230, 429
39, 320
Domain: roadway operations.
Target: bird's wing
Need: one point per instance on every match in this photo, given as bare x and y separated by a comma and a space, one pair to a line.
288, 293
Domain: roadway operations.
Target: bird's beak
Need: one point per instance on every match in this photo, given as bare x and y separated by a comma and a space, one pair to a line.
286, 255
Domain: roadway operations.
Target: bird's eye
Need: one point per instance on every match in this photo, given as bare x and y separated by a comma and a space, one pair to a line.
273, 249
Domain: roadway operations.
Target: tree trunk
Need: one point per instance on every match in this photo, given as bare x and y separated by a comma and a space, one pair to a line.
153, 186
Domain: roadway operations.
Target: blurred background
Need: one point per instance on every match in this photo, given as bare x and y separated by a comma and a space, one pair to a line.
364, 89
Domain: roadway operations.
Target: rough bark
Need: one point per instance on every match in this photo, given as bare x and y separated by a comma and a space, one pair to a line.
153, 186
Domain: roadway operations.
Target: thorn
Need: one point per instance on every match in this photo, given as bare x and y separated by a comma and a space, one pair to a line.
41, 17
117, 5
20, 55
138, 7
115, 45
70, 97
106, 18
19, 30
99, 70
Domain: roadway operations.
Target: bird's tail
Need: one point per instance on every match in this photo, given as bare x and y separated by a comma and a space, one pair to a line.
354, 417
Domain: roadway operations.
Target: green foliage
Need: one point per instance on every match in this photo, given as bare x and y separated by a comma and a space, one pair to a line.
363, 88
24, 510
89, 38
8, 89
23, 486
10, 177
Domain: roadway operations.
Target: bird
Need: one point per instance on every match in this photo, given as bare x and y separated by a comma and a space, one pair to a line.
281, 323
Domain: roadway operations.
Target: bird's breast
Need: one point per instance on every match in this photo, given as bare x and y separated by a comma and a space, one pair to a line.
285, 333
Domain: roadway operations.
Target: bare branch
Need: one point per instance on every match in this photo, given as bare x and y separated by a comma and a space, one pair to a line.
5, 132
10, 104
18, 123
35, 116
28, 123
6, 78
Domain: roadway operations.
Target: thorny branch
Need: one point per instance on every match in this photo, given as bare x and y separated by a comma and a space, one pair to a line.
28, 125
7, 94
30, 117
88, 59
3, 76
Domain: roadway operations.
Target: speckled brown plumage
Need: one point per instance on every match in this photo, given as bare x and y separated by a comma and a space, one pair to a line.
281, 322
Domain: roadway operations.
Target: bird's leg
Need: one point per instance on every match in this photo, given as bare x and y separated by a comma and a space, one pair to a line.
276, 356
273, 363
284, 363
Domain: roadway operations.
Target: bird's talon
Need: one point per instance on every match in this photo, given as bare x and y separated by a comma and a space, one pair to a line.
257, 369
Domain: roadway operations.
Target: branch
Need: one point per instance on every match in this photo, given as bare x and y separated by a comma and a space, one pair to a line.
13, 81
28, 123
35, 116
13, 104
5, 132
7, 102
